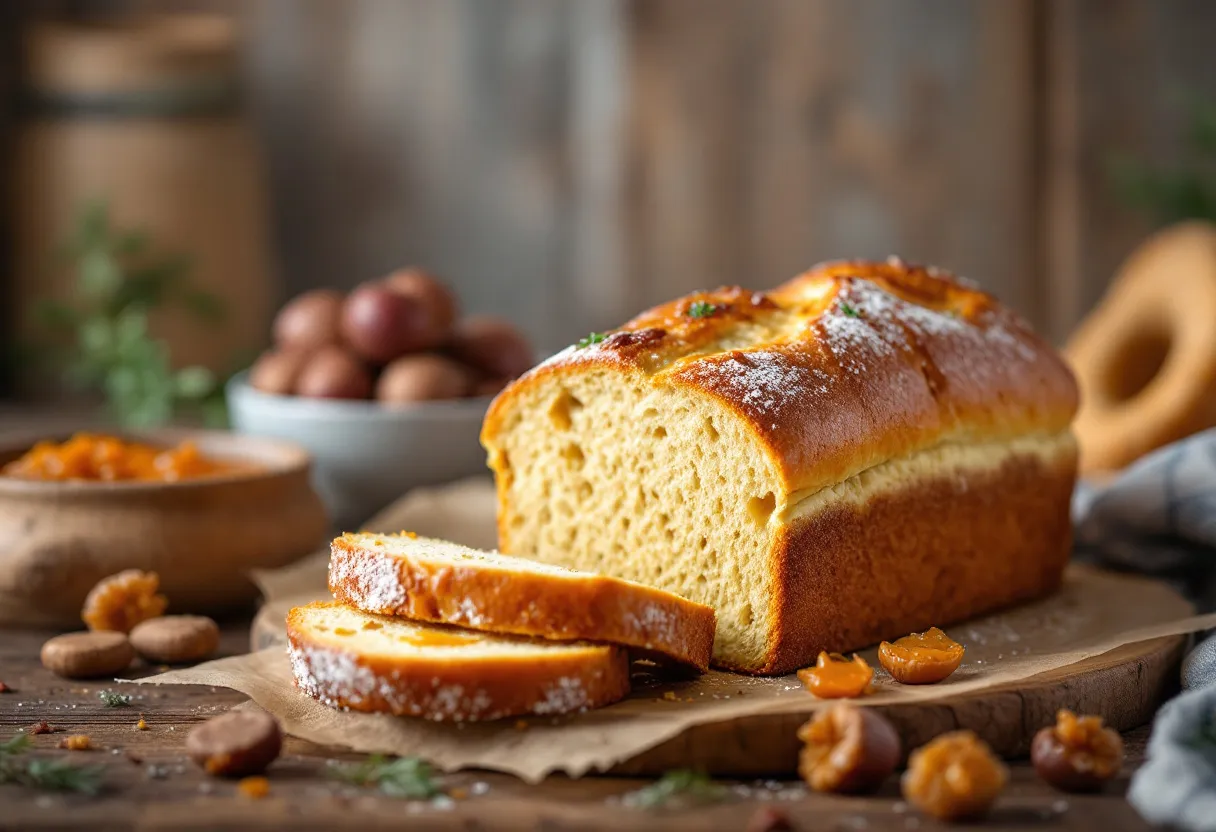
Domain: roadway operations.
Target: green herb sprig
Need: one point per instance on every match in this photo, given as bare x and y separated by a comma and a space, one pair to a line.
593, 338
101, 339
114, 699
679, 785
407, 777
702, 309
52, 775
849, 310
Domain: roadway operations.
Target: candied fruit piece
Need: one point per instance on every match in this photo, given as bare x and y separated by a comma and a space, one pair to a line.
835, 677
254, 788
121, 601
954, 777
921, 658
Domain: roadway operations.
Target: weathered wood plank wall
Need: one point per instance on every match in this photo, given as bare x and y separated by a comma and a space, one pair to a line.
568, 163
1120, 76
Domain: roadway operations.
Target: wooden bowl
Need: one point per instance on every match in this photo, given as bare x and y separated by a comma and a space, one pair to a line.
58, 539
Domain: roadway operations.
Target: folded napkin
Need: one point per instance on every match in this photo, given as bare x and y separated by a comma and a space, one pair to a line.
1159, 517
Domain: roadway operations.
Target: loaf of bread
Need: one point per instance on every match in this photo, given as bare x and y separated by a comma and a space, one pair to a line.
352, 660
871, 449
434, 580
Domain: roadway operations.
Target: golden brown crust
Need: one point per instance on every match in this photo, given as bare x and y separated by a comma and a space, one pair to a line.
934, 553
843, 367
466, 689
566, 606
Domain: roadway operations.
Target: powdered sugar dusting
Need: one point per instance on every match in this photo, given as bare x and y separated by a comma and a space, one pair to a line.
564, 695
337, 679
432, 580
657, 623
766, 382
373, 582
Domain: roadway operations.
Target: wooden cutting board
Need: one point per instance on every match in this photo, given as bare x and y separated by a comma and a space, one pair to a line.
1125, 686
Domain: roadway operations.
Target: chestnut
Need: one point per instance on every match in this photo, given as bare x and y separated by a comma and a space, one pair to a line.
309, 321
769, 819
380, 324
439, 303
333, 373
1077, 754
849, 749
425, 377
489, 386
493, 346
277, 371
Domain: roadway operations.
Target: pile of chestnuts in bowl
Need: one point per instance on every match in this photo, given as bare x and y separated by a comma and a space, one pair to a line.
397, 341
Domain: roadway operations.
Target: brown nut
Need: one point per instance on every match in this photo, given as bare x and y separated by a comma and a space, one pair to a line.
1077, 754
489, 387
237, 744
333, 373
768, 819
86, 655
439, 302
419, 378
175, 639
921, 658
954, 777
848, 749
277, 371
309, 321
492, 345
121, 601
381, 324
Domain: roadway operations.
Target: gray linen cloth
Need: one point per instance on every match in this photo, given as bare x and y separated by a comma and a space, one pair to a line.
1159, 517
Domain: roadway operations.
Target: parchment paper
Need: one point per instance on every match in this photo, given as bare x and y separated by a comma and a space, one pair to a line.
1095, 612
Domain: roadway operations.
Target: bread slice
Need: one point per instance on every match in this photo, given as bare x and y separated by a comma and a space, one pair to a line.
871, 449
356, 661
434, 580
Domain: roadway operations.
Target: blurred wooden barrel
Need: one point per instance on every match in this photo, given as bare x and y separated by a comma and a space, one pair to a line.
145, 114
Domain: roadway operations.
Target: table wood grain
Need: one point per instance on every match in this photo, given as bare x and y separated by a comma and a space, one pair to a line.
151, 784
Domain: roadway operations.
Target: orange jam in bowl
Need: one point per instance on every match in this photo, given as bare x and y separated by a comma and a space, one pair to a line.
95, 458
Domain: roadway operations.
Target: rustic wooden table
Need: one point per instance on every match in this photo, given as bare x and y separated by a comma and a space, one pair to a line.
149, 783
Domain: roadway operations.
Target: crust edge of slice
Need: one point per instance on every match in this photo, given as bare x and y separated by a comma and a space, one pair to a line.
452, 688
481, 596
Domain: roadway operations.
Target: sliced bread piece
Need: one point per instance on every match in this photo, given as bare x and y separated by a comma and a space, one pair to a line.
434, 580
356, 661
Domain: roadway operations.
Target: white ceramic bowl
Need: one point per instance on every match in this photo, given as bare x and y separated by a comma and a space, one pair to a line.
365, 454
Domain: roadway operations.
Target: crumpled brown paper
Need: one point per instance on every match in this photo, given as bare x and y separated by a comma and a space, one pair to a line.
1094, 613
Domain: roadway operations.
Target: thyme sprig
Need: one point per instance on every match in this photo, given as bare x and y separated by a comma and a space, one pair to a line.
52, 775
114, 699
680, 785
408, 777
